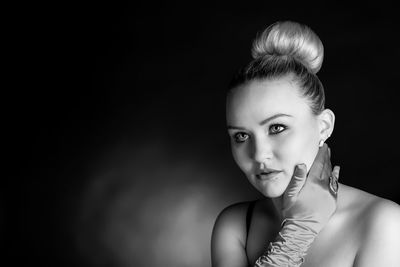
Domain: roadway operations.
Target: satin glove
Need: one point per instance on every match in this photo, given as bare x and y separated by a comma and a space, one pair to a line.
312, 197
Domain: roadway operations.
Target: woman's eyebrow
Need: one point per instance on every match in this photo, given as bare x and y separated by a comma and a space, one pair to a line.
263, 122
273, 117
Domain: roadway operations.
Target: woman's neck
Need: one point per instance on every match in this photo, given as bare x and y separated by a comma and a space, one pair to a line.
277, 203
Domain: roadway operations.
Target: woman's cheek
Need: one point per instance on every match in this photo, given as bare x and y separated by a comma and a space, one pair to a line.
308, 150
289, 153
240, 157
296, 149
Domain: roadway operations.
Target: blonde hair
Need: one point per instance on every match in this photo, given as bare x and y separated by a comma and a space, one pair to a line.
290, 39
283, 48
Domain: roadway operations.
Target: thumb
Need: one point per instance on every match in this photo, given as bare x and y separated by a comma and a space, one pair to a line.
297, 182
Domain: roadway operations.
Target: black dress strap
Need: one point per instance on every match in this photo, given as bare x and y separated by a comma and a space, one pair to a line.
249, 214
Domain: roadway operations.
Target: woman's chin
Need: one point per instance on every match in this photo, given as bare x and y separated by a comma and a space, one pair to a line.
272, 190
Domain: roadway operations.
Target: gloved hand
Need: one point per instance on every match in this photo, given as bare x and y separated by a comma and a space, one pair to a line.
307, 204
309, 197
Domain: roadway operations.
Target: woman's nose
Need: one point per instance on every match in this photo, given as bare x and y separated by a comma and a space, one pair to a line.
262, 150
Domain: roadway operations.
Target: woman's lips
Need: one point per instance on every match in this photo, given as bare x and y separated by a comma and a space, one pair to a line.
268, 176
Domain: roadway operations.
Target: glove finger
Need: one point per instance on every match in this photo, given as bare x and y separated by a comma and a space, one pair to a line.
298, 180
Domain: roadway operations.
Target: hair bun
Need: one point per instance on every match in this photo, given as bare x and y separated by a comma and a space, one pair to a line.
291, 39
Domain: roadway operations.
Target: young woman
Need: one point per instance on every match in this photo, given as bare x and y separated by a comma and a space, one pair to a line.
278, 125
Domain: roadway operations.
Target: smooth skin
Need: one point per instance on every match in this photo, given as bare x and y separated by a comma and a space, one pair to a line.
363, 231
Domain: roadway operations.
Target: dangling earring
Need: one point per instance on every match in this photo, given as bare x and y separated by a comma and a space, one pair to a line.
321, 143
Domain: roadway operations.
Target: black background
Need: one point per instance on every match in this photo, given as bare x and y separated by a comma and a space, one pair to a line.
102, 87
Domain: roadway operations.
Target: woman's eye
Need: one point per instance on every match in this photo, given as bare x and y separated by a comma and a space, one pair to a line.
276, 128
240, 137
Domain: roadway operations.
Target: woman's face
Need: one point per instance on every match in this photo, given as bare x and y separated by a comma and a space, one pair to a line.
270, 123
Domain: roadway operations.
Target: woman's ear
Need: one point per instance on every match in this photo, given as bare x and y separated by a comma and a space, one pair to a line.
326, 123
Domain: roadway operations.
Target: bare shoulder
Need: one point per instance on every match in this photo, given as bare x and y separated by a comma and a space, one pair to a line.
232, 219
383, 211
372, 210
369, 205
229, 236
375, 210
379, 219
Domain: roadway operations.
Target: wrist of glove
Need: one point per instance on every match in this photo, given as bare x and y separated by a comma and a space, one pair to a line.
291, 245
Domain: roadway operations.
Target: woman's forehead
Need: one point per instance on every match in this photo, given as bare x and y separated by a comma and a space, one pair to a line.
258, 99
